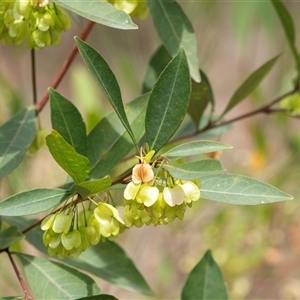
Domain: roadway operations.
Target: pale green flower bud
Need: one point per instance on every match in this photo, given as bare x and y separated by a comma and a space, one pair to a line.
192, 192
131, 191
48, 222
93, 235
174, 195
62, 223
147, 195
71, 239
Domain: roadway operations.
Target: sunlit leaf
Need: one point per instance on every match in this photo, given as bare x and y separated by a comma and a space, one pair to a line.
16, 136
106, 79
52, 280
89, 188
10, 236
168, 102
33, 201
250, 84
239, 189
99, 11
200, 97
289, 29
205, 282
67, 121
110, 262
109, 143
75, 164
175, 31
195, 170
158, 62
194, 148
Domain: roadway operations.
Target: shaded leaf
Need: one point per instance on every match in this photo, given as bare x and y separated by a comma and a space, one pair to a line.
33, 201
67, 121
110, 262
195, 170
250, 84
168, 102
109, 143
52, 280
99, 297
16, 136
289, 29
194, 148
75, 164
89, 188
100, 12
158, 62
239, 189
175, 31
106, 80
200, 97
10, 236
205, 281
12, 298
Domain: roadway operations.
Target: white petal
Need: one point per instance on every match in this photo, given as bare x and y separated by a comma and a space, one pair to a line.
131, 191
174, 196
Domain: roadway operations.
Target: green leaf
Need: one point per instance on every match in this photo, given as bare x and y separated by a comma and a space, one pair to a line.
200, 97
67, 121
75, 164
100, 12
89, 188
106, 79
168, 102
158, 62
239, 189
10, 236
195, 170
12, 298
194, 148
33, 201
288, 26
109, 143
175, 31
52, 280
110, 262
205, 281
99, 297
250, 84
16, 136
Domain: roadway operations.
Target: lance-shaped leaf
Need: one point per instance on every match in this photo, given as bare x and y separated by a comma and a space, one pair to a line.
110, 262
194, 148
99, 11
16, 136
33, 201
109, 143
205, 282
52, 280
201, 95
195, 170
67, 121
168, 102
158, 62
10, 236
75, 164
250, 84
289, 29
239, 189
99, 297
106, 79
175, 31
89, 188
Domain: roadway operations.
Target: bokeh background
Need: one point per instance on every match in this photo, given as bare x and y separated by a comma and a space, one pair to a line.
257, 248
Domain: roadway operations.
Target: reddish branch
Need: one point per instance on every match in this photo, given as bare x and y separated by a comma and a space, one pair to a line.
63, 68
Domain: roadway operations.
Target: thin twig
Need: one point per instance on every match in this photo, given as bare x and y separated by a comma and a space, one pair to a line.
64, 68
33, 77
27, 294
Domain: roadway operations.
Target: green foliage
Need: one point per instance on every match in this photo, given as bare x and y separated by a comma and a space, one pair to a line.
13, 146
100, 12
205, 281
168, 102
10, 236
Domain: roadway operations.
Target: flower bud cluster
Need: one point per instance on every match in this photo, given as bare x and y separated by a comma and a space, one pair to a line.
65, 235
134, 8
156, 199
40, 21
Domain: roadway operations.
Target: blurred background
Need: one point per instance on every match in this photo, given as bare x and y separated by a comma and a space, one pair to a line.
257, 248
